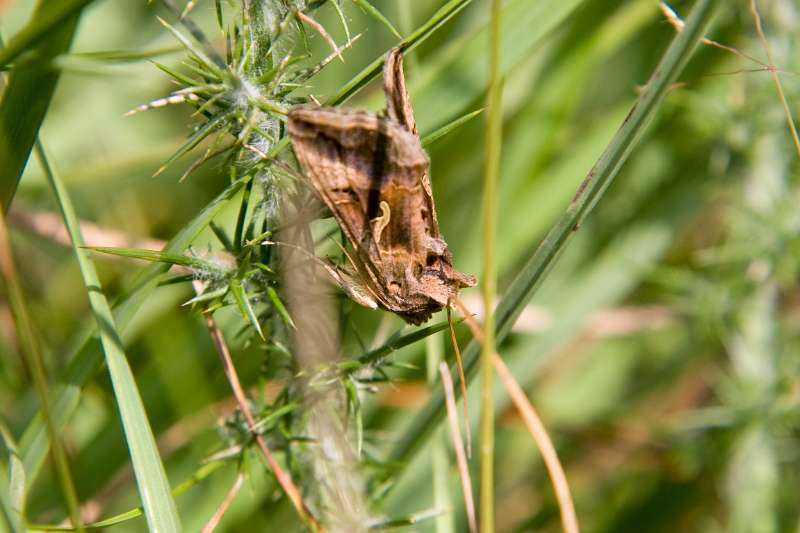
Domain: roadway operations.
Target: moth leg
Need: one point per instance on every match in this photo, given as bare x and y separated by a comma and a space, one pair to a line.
436, 245
380, 223
352, 285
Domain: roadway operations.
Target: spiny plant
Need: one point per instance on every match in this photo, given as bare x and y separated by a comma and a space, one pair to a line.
241, 99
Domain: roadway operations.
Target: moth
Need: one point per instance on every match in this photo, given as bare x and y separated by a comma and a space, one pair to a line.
372, 173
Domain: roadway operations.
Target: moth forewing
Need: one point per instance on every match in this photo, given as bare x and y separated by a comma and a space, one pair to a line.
371, 172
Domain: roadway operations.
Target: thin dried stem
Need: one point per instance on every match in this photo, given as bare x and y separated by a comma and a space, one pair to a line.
458, 446
462, 380
214, 521
773, 70
677, 23
539, 433
283, 478
319, 29
535, 427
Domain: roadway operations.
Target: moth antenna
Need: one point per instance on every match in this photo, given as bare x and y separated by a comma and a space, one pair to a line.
461, 378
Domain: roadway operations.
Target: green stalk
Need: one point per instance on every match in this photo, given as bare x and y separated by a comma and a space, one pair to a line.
523, 287
31, 85
41, 27
32, 352
151, 479
494, 125
439, 460
87, 360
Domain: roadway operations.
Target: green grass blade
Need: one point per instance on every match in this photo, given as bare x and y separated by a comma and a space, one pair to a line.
31, 350
49, 16
450, 127
30, 87
245, 308
9, 520
456, 78
394, 344
88, 360
161, 257
280, 308
369, 72
199, 475
12, 485
599, 178
488, 282
124, 56
192, 49
151, 478
372, 11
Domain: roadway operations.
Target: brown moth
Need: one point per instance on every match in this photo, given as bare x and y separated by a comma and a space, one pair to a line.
372, 173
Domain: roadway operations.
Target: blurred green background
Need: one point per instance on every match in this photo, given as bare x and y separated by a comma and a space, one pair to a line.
662, 352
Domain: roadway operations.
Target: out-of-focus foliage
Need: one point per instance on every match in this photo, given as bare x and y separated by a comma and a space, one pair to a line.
662, 352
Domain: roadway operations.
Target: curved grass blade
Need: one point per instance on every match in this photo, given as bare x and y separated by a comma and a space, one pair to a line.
30, 87
123, 56
599, 178
151, 478
88, 359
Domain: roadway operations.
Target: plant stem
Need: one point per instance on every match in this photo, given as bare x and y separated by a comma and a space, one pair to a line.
284, 479
441, 491
32, 352
151, 479
494, 118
